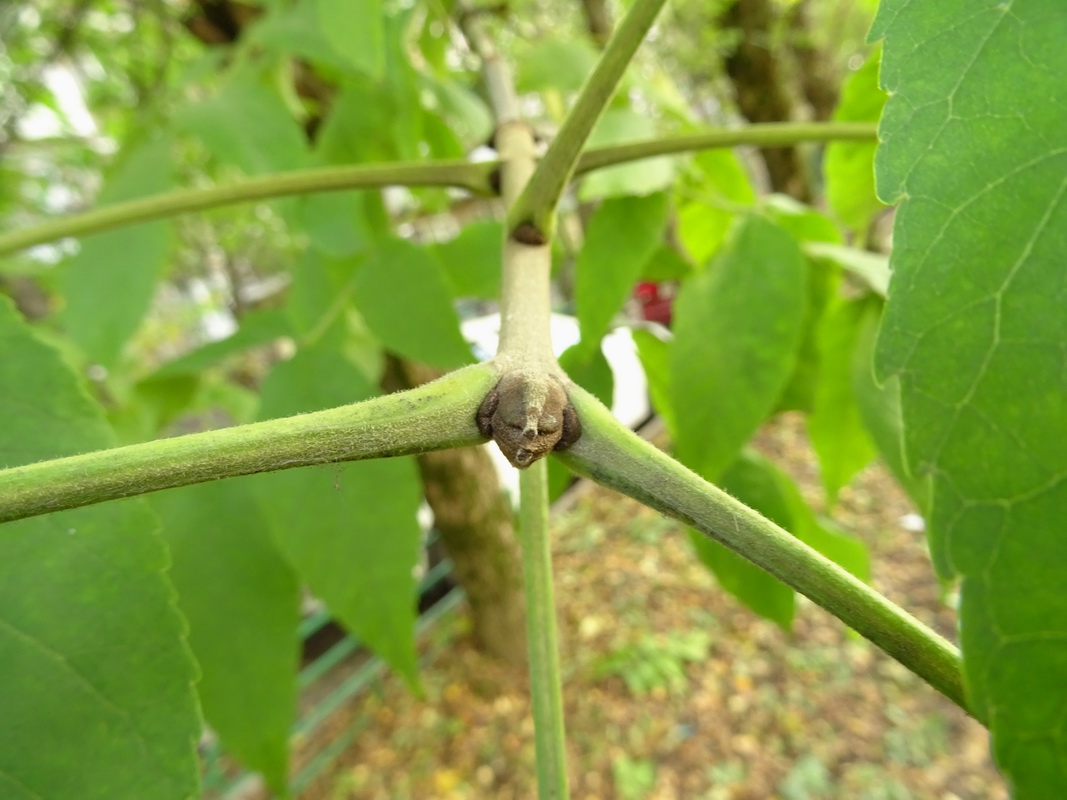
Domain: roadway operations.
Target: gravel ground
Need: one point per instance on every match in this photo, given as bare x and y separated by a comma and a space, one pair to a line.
673, 690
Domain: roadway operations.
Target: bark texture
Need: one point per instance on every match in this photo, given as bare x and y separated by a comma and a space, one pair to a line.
816, 72
761, 90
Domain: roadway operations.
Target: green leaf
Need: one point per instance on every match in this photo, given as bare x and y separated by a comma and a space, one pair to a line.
405, 301
555, 63
975, 148
665, 264
242, 602
871, 268
97, 682
737, 327
655, 360
320, 291
356, 31
619, 126
835, 424
401, 85
257, 328
293, 29
723, 189
462, 109
824, 284
247, 124
349, 530
879, 406
359, 126
849, 166
589, 368
621, 237
472, 261
336, 222
108, 286
803, 222
755, 483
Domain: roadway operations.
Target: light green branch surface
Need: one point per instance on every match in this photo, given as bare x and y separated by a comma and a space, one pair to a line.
617, 458
545, 685
434, 416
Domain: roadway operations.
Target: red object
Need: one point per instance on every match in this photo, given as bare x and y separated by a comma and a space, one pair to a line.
656, 301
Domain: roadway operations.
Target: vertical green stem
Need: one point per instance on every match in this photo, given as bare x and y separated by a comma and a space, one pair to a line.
545, 688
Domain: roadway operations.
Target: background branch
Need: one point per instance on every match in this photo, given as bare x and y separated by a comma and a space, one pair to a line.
463, 174
476, 177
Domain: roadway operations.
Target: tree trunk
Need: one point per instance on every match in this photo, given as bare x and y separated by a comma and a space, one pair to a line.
761, 92
816, 73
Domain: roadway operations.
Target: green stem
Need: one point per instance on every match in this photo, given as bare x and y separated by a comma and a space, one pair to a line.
435, 416
463, 174
537, 204
545, 687
474, 177
768, 134
613, 456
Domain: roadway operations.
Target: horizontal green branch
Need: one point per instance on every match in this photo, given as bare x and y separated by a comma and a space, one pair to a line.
615, 457
434, 416
767, 134
475, 177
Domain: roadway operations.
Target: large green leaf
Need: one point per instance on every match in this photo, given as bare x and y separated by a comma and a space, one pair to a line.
95, 677
471, 261
356, 31
336, 222
975, 149
108, 286
879, 406
359, 126
405, 301
737, 327
849, 166
619, 126
242, 602
257, 328
621, 237
349, 530
294, 29
555, 63
824, 285
462, 109
655, 360
248, 125
722, 189
835, 424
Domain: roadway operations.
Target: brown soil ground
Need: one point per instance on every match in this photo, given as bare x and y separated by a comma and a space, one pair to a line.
673, 690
